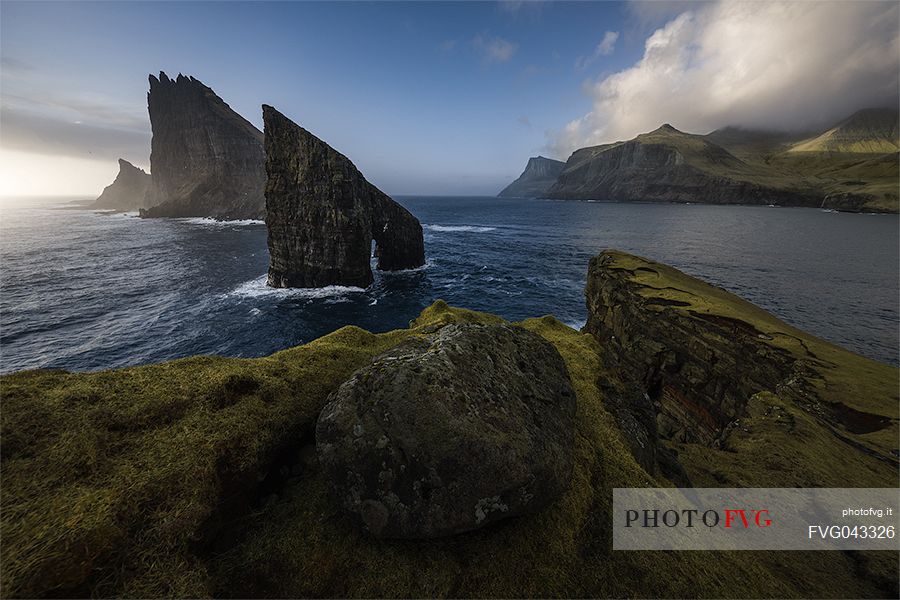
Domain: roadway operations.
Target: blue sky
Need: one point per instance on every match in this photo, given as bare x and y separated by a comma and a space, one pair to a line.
425, 97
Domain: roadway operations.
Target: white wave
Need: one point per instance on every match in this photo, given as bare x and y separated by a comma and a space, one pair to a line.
124, 215
256, 288
427, 265
209, 222
576, 325
459, 228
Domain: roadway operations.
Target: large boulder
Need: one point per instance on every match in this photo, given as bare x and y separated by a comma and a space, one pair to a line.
451, 432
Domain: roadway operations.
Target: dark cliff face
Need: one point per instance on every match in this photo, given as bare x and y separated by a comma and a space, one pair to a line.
540, 173
128, 190
206, 160
711, 363
322, 214
667, 165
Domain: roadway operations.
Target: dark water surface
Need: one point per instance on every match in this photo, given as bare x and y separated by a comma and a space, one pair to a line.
84, 290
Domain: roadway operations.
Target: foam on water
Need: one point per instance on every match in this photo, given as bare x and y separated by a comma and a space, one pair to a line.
256, 288
428, 264
208, 222
576, 325
86, 290
459, 228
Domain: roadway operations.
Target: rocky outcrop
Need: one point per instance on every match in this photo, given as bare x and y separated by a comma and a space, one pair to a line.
540, 173
449, 433
322, 214
206, 160
703, 356
128, 190
667, 165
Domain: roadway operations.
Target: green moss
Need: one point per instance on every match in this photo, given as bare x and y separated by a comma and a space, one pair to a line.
108, 478
197, 477
811, 454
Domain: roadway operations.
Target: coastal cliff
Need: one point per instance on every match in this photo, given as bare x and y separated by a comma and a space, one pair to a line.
667, 165
199, 477
206, 160
730, 382
540, 173
854, 166
322, 215
128, 190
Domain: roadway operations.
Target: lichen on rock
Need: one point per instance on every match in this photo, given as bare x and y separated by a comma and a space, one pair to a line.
450, 432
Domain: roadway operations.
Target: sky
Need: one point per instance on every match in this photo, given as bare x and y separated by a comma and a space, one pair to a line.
440, 98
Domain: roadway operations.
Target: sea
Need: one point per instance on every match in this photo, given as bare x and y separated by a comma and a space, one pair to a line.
82, 289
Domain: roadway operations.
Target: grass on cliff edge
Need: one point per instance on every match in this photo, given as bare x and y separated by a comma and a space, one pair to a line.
840, 376
194, 478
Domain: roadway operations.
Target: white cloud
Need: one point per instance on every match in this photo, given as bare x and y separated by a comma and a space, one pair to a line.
494, 49
786, 65
606, 47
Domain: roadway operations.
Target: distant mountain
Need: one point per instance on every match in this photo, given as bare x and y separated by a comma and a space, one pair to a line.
539, 174
128, 190
869, 131
751, 145
206, 160
853, 166
667, 165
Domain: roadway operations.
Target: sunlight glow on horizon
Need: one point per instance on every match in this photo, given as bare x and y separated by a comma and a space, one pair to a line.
26, 174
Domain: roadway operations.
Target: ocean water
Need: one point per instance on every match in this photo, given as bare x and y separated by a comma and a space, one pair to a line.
85, 290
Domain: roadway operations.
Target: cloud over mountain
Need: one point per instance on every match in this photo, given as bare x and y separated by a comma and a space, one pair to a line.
785, 65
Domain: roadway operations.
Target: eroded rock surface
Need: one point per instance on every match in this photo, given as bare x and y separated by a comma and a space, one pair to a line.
128, 190
206, 160
322, 214
449, 433
703, 356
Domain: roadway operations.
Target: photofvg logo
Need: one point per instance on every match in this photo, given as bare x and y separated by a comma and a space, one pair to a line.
689, 517
755, 519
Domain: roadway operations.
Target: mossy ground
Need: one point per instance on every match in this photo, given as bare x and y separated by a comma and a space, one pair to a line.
196, 478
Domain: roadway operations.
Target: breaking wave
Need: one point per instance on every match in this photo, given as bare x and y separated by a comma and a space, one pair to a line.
459, 228
208, 222
256, 288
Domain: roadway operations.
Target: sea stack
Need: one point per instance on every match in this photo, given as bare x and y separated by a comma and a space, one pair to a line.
128, 191
322, 215
206, 160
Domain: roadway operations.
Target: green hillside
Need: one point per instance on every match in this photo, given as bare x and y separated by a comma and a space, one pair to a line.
869, 131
